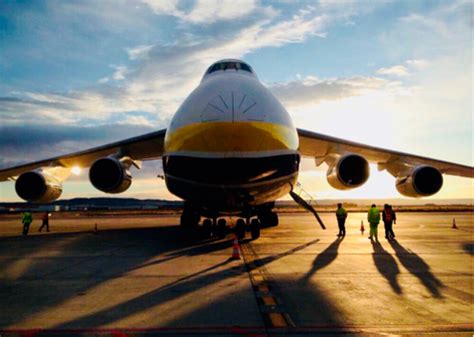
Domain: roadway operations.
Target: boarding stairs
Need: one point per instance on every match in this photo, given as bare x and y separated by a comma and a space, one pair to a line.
305, 200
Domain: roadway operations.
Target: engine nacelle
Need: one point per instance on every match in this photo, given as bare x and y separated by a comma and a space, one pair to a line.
348, 171
421, 181
37, 186
110, 175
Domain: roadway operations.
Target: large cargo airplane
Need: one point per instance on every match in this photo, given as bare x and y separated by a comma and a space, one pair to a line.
231, 148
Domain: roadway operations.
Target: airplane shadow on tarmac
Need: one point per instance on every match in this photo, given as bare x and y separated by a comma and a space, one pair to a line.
89, 259
418, 267
180, 287
386, 265
85, 257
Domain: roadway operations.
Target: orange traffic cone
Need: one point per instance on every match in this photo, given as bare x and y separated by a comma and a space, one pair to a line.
454, 224
235, 249
362, 229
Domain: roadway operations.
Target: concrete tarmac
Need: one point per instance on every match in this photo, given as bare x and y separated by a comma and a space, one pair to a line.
144, 276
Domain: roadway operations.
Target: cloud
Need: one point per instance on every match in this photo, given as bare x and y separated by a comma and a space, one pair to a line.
398, 70
120, 72
205, 11
311, 91
136, 120
160, 75
418, 64
401, 70
44, 141
139, 52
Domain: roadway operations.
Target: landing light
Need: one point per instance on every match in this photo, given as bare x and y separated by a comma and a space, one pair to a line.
76, 170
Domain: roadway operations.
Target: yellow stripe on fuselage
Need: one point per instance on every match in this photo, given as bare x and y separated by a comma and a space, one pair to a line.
231, 138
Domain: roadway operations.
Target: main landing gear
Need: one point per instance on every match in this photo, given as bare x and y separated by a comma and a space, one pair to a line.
252, 226
213, 227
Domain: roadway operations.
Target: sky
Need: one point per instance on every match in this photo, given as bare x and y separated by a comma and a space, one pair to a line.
394, 74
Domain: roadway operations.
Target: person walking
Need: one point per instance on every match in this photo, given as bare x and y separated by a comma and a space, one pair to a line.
341, 216
373, 217
389, 218
45, 223
26, 220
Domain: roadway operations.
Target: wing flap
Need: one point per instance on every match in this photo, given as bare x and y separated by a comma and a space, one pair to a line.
145, 147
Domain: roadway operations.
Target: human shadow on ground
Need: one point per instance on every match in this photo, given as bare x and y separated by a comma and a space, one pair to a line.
386, 265
468, 248
418, 267
325, 258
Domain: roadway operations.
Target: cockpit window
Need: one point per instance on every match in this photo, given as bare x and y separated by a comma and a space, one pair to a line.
229, 65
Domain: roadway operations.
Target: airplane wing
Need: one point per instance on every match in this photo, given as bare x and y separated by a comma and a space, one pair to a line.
145, 147
319, 146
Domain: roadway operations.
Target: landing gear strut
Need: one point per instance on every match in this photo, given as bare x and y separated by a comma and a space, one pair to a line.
189, 217
221, 228
240, 229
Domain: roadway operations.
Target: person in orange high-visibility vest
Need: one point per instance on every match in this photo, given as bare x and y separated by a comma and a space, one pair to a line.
373, 216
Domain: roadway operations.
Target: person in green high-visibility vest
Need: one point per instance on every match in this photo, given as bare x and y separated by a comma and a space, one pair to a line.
341, 216
373, 216
26, 220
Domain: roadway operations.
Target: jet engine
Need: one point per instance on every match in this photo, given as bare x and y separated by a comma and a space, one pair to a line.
38, 186
347, 171
421, 181
110, 175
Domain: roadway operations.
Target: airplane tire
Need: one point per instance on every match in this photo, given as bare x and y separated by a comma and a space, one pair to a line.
255, 229
240, 229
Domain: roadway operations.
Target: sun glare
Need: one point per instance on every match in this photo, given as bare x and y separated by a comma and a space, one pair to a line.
76, 170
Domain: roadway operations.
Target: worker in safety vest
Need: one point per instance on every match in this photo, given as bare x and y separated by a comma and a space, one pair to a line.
373, 216
26, 220
341, 216
389, 217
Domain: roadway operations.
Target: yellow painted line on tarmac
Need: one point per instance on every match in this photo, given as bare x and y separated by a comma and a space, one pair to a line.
277, 320
269, 300
258, 278
270, 307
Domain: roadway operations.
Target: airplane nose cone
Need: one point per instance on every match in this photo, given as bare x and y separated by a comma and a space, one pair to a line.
232, 106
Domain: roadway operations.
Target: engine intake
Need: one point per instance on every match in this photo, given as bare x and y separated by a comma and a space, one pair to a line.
110, 175
348, 171
36, 186
422, 181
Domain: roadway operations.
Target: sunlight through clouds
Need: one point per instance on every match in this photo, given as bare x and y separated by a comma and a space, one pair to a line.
390, 74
